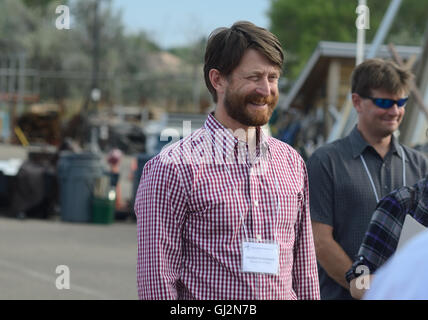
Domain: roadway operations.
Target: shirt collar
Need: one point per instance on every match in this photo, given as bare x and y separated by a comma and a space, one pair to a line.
358, 144
220, 133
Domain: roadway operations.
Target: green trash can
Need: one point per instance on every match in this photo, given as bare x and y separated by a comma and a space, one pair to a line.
103, 210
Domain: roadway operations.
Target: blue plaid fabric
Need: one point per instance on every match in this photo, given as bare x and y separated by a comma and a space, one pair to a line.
381, 238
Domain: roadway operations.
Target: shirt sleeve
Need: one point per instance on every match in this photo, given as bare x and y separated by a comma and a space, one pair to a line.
321, 190
160, 208
381, 239
305, 272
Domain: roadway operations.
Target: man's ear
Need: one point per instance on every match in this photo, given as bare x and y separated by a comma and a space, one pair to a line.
356, 101
217, 80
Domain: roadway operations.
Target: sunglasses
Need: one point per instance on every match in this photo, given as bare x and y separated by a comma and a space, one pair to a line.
387, 103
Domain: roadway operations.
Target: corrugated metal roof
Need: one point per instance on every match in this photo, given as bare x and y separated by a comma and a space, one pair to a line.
349, 49
340, 50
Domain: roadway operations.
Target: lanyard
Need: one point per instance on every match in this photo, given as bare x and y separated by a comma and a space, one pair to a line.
275, 223
370, 176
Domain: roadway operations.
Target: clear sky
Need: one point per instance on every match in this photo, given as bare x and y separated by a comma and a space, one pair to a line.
177, 22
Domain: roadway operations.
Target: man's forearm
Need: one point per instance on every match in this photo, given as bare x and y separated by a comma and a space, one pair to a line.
334, 261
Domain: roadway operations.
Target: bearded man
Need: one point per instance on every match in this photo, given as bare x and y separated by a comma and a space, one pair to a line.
223, 213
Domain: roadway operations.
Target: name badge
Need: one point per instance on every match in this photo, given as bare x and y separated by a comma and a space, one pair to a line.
260, 257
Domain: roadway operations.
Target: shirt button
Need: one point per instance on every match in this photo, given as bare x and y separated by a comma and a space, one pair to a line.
256, 203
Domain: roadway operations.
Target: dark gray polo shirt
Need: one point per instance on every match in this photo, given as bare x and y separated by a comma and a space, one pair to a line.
341, 195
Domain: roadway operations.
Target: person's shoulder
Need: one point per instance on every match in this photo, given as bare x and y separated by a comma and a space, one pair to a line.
293, 167
282, 147
330, 150
174, 160
183, 150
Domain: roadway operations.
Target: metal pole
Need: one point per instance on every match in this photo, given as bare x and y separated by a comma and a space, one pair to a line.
95, 58
11, 91
21, 83
96, 50
361, 38
384, 28
11, 83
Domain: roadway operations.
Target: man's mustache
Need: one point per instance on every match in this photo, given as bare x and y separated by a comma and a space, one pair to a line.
259, 99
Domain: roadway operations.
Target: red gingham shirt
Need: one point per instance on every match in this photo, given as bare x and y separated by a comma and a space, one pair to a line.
197, 200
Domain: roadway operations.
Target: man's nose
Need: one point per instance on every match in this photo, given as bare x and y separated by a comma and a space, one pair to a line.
394, 110
263, 87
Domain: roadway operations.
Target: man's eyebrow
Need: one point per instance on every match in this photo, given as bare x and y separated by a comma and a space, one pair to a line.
260, 72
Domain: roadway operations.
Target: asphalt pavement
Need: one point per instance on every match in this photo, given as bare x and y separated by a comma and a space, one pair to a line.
39, 258
100, 260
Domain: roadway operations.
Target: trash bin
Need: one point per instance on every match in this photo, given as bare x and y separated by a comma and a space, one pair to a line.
5, 188
103, 210
77, 173
142, 159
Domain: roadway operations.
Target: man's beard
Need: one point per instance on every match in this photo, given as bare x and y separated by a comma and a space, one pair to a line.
237, 108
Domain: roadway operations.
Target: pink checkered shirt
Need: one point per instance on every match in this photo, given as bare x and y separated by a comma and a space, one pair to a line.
197, 202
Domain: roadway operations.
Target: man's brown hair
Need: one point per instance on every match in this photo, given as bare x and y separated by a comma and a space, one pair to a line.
226, 47
376, 74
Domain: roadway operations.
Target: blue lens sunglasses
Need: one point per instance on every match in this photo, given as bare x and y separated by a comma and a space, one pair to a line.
387, 103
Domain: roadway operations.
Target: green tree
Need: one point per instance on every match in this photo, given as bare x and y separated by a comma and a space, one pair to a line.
301, 24
65, 58
40, 3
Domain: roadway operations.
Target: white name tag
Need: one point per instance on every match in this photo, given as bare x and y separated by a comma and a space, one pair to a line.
260, 257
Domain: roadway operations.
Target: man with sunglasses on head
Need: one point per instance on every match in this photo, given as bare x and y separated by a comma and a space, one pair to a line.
348, 177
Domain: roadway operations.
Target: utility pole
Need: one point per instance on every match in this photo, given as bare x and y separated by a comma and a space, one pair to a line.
96, 55
93, 94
